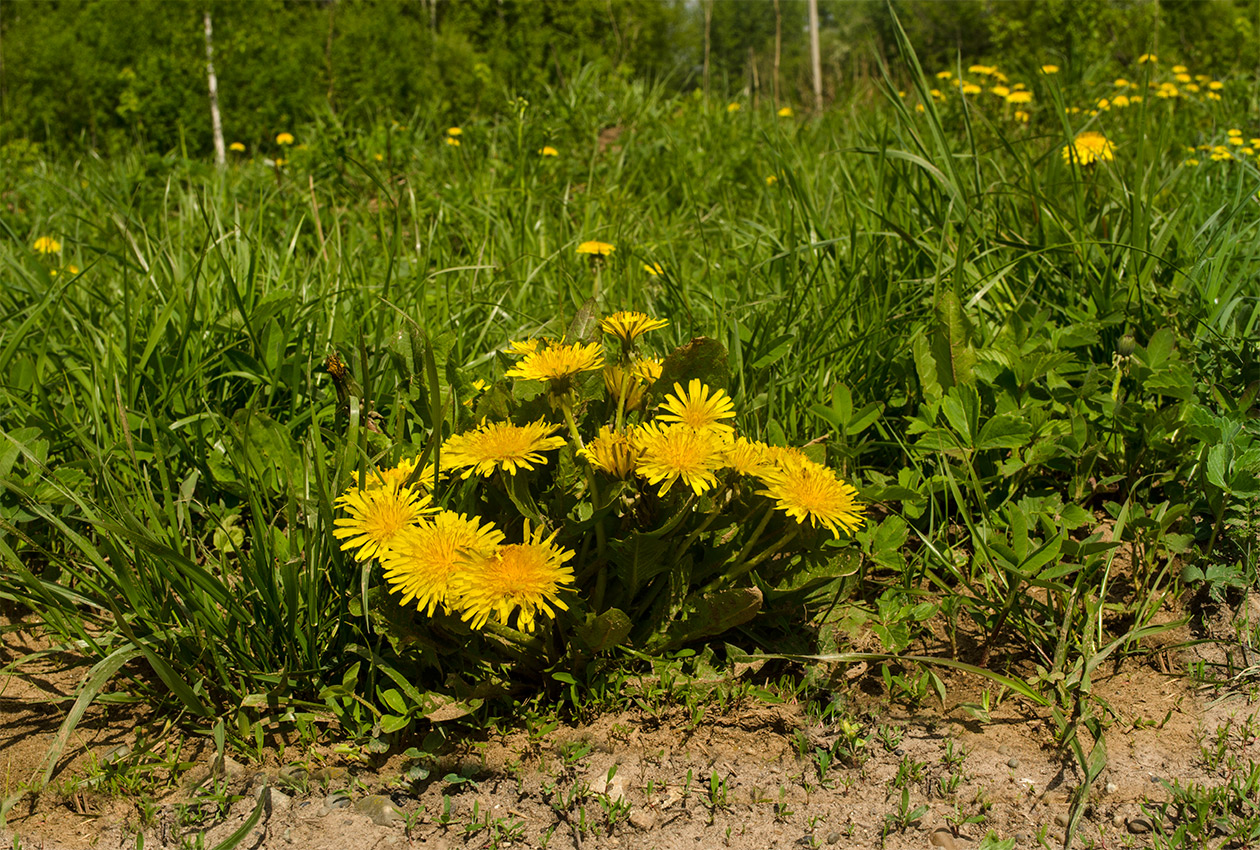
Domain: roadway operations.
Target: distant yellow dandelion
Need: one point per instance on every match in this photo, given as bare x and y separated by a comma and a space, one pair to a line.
1179, 69
1089, 147
771, 179
699, 408
558, 362
1147, 57
596, 249
809, 491
654, 269
423, 560
500, 445
239, 147
733, 107
983, 70
284, 139
1000, 91
523, 577
548, 150
452, 141
944, 75
46, 245
454, 131
376, 516
1049, 69
1216, 85
785, 112
971, 88
612, 452
1019, 97
675, 453
629, 325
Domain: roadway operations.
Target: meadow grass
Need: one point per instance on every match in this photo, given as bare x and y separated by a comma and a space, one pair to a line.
1004, 349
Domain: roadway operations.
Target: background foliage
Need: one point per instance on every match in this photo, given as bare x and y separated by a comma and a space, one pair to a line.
103, 75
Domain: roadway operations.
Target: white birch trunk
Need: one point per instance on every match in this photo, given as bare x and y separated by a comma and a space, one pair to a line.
220, 152
815, 54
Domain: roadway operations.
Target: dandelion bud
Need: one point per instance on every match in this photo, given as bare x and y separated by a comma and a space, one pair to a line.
1125, 345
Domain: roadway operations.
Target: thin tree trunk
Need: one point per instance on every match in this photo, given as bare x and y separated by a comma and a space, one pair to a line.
815, 54
220, 151
756, 80
778, 50
708, 22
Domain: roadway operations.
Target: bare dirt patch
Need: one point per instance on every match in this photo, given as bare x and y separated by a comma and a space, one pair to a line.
648, 777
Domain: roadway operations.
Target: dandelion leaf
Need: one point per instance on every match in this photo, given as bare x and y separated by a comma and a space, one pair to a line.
952, 357
582, 328
701, 358
639, 558
604, 631
712, 614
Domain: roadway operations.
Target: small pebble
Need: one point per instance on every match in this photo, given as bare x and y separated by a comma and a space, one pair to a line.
1112, 787
379, 808
943, 838
833, 837
1012, 763
642, 819
1004, 750
1154, 778
337, 801
900, 751
1062, 820
1139, 826
1117, 820
1022, 838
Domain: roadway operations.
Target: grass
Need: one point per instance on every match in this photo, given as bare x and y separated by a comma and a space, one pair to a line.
1008, 352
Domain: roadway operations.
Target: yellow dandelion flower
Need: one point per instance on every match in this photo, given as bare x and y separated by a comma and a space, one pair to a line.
983, 70
647, 369
596, 249
771, 179
500, 445
1179, 69
971, 88
809, 491
673, 453
1234, 140
1049, 69
1147, 57
1120, 101
1088, 148
785, 112
697, 409
629, 325
1104, 104
1121, 83
937, 94
1216, 85
614, 378
284, 138
1019, 97
1021, 116
1000, 91
397, 476
452, 141
558, 363
1210, 96
423, 560
749, 457
612, 452
524, 346
376, 516
239, 147
1183, 78
454, 131
654, 269
733, 107
1193, 88
944, 75
280, 162
46, 245
523, 577
1233, 131
548, 150
73, 269
1192, 161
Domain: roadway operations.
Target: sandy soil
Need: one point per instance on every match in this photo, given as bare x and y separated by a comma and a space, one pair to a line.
646, 778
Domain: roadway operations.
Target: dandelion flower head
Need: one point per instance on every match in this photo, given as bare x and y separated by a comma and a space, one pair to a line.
677, 453
785, 112
1088, 148
524, 577
628, 325
612, 452
284, 138
46, 245
558, 362
654, 269
699, 408
423, 560
596, 249
1049, 69
239, 147
376, 516
809, 491
500, 445
548, 150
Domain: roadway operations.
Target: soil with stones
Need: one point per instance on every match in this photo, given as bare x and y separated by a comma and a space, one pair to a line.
651, 777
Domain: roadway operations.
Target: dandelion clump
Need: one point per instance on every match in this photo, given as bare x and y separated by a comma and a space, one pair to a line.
538, 500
